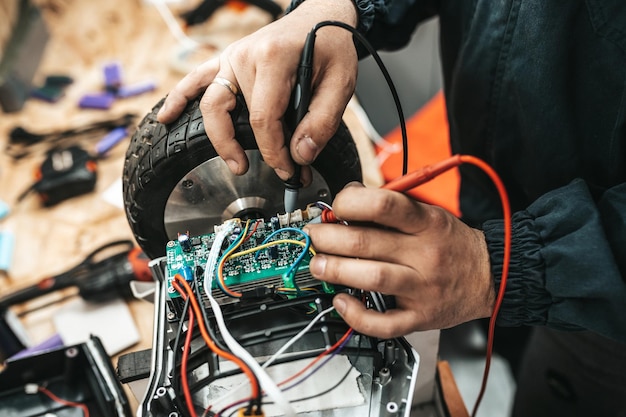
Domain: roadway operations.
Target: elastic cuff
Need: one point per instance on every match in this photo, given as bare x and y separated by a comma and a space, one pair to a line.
526, 301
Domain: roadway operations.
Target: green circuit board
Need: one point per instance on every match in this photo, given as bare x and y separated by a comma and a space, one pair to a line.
188, 257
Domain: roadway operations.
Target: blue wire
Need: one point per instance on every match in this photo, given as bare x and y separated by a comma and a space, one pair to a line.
304, 252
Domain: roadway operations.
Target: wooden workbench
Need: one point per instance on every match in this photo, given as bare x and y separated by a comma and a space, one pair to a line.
84, 36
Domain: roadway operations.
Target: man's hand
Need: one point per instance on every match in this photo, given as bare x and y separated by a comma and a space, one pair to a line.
436, 266
262, 66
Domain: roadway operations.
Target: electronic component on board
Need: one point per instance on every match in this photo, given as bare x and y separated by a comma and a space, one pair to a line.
263, 297
183, 241
279, 265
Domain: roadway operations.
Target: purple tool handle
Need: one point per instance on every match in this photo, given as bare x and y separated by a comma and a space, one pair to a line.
111, 139
135, 89
97, 101
113, 76
49, 344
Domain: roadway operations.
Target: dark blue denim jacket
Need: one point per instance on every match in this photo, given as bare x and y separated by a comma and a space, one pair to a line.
537, 88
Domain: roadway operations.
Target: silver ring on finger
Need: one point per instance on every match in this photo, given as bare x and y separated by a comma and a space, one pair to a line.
226, 84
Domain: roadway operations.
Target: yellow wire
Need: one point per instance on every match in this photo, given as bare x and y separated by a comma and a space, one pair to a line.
220, 266
267, 245
229, 255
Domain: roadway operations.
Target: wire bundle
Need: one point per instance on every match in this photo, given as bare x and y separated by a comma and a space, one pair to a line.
259, 380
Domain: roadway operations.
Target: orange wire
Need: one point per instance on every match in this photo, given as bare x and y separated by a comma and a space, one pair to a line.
207, 339
220, 277
185, 358
425, 174
53, 397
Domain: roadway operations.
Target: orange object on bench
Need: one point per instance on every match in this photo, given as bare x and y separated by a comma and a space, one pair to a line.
429, 142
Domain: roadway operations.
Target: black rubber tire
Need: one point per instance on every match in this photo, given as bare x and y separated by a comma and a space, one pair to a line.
159, 156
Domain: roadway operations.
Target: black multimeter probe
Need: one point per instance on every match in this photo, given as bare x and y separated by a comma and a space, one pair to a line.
300, 103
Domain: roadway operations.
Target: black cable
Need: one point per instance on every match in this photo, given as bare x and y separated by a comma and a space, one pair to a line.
319, 394
21, 141
205, 315
198, 277
176, 349
338, 383
383, 70
307, 52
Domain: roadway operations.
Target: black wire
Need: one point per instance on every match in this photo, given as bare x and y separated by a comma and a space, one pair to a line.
21, 141
205, 315
319, 394
385, 73
176, 349
343, 378
211, 331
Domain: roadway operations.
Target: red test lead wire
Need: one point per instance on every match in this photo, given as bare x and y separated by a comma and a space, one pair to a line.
423, 175
427, 173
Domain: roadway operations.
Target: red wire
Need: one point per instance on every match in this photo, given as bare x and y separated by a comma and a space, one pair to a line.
178, 279
429, 172
53, 397
425, 174
183, 364
506, 211
256, 225
318, 358
300, 372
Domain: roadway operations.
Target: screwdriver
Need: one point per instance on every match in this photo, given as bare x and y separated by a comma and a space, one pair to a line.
96, 280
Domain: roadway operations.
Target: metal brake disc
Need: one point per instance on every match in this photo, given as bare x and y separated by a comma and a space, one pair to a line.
210, 194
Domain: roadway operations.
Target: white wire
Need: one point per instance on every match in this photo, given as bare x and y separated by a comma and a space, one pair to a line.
386, 148
265, 380
324, 204
278, 353
296, 337
363, 118
173, 26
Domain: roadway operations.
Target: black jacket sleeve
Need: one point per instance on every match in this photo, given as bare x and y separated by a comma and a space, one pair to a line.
568, 262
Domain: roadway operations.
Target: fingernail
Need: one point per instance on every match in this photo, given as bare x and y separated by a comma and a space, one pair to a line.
306, 149
233, 166
282, 174
340, 305
317, 266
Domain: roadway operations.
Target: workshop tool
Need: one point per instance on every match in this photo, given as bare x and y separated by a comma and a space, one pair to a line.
113, 88
23, 143
205, 9
65, 173
72, 171
52, 89
97, 279
20, 53
74, 380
